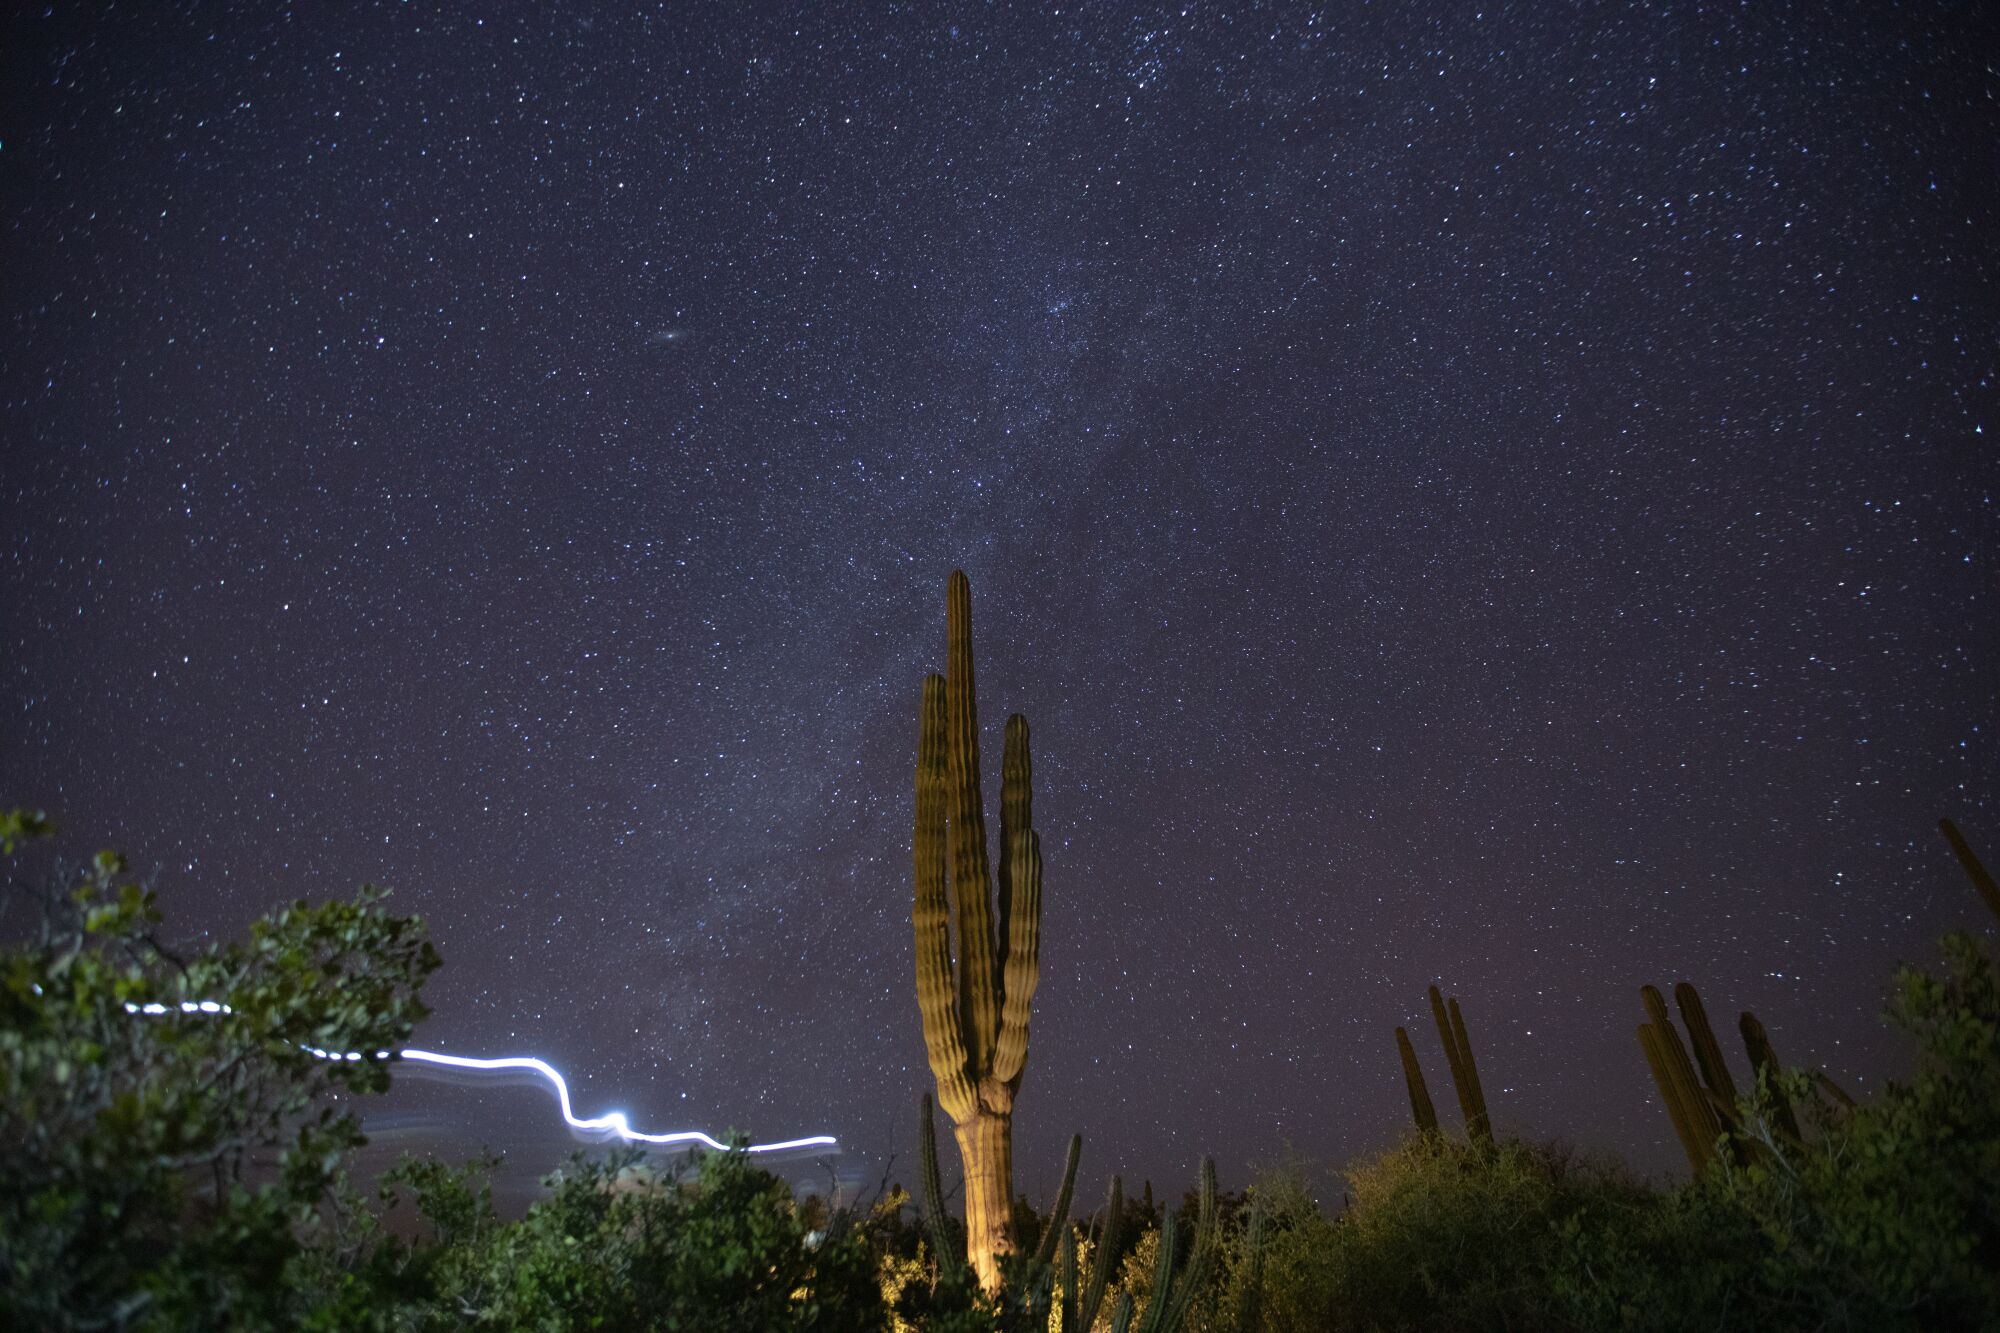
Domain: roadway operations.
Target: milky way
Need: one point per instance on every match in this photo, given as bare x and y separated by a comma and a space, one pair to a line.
1494, 495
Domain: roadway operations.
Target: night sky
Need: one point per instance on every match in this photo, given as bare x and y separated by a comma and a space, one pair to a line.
1500, 496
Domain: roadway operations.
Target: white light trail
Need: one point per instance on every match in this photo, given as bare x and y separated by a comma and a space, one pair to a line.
612, 1122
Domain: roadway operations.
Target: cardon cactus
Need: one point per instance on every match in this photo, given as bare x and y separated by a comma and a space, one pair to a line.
975, 1008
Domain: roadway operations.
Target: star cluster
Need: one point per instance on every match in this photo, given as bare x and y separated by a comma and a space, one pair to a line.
1497, 494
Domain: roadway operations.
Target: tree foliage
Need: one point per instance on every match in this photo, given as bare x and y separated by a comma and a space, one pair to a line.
179, 1169
120, 1129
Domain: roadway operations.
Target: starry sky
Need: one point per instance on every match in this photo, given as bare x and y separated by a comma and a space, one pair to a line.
1489, 494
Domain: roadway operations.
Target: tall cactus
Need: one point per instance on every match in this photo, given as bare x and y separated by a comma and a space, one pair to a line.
975, 1014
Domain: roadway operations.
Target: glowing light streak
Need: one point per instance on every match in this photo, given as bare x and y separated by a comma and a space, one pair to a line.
612, 1122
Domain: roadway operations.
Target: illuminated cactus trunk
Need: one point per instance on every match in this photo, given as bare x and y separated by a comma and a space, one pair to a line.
975, 1009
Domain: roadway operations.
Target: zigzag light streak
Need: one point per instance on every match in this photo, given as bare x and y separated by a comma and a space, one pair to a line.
613, 1122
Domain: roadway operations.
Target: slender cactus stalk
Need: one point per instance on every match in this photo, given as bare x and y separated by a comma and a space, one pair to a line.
1720, 1092
1707, 1052
1083, 1295
1691, 1143
1059, 1214
1171, 1301
1207, 1238
1421, 1109
1161, 1294
1250, 1296
1974, 869
1480, 1126
975, 1008
933, 1183
1449, 1040
1464, 1074
1700, 1112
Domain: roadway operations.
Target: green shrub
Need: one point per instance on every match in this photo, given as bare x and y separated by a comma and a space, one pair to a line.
123, 1136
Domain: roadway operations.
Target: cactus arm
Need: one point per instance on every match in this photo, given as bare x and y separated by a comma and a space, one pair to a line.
944, 1044
1121, 1314
1202, 1255
1059, 1214
1763, 1059
1413, 1078
1974, 870
1250, 1296
1479, 1125
1101, 1259
971, 881
1020, 903
1024, 960
1449, 1041
1163, 1279
1016, 814
1707, 1053
1700, 1113
1656, 1060
1066, 1279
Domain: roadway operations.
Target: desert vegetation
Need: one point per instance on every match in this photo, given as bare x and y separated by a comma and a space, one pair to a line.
172, 1156
133, 1198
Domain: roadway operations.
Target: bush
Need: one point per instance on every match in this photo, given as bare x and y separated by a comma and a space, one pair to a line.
716, 1245
125, 1133
124, 1136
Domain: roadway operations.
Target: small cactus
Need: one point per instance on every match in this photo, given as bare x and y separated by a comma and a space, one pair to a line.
1250, 1296
1058, 1224
949, 1258
1082, 1295
1421, 1109
1481, 1125
1168, 1306
1464, 1074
